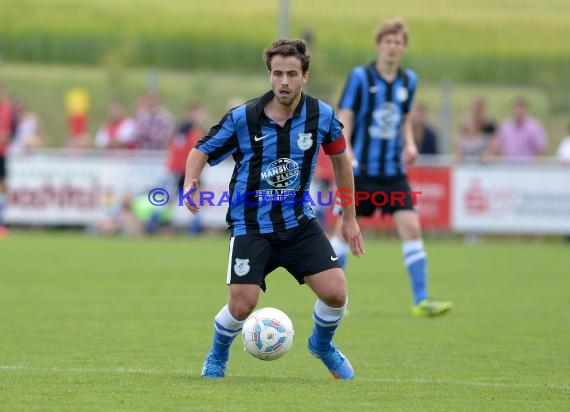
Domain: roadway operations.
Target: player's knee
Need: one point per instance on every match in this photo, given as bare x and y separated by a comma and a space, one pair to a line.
241, 309
336, 298
339, 300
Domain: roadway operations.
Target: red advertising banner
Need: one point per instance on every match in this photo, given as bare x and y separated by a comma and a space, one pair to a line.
433, 203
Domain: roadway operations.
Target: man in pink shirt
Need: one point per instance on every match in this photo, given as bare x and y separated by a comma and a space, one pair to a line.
521, 136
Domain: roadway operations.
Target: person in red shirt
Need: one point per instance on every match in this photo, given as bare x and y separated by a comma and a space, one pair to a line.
187, 134
189, 131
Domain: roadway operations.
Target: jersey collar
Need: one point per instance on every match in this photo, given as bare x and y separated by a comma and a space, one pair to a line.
266, 98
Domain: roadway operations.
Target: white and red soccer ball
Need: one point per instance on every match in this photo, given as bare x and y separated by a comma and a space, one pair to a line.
267, 334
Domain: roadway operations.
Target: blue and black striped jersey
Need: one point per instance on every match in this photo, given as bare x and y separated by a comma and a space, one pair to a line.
274, 165
379, 109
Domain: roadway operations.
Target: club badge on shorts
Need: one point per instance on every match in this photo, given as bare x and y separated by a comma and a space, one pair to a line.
241, 267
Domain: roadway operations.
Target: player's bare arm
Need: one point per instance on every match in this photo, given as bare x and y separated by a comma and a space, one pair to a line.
194, 166
344, 178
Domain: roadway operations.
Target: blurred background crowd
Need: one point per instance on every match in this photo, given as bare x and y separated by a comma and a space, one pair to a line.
126, 85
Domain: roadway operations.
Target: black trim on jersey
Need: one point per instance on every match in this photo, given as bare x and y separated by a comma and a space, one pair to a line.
355, 110
266, 98
406, 81
254, 173
283, 150
355, 106
389, 97
228, 146
311, 126
405, 109
238, 157
368, 118
213, 131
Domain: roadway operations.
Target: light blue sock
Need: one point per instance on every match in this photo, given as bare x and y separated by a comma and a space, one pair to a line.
226, 328
340, 247
415, 259
326, 320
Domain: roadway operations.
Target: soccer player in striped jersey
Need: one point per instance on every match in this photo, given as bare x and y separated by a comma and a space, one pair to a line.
374, 109
274, 140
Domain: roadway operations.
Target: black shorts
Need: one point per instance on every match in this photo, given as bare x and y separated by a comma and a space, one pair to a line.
302, 251
387, 194
2, 167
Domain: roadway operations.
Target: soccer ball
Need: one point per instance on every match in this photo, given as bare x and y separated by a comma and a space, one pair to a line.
267, 334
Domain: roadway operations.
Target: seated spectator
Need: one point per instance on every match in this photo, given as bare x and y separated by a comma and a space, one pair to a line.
119, 130
154, 124
471, 145
521, 137
424, 134
154, 219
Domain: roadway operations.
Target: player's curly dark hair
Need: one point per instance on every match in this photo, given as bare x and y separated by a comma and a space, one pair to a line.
286, 48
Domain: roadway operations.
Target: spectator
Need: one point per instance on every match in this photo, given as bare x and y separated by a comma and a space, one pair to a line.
77, 105
27, 129
189, 131
563, 152
154, 124
472, 144
485, 125
119, 219
521, 136
119, 131
154, 219
424, 134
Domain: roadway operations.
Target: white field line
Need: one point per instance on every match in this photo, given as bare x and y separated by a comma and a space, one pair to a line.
416, 381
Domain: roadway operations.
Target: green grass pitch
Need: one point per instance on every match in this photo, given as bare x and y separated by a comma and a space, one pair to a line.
124, 324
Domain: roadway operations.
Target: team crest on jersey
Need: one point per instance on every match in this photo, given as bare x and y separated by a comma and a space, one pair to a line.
402, 94
241, 267
386, 122
281, 173
304, 141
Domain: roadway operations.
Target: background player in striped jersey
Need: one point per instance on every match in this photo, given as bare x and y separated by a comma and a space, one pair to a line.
374, 109
274, 140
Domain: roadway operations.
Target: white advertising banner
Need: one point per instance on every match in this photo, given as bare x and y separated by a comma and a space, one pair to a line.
511, 199
72, 190
60, 189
